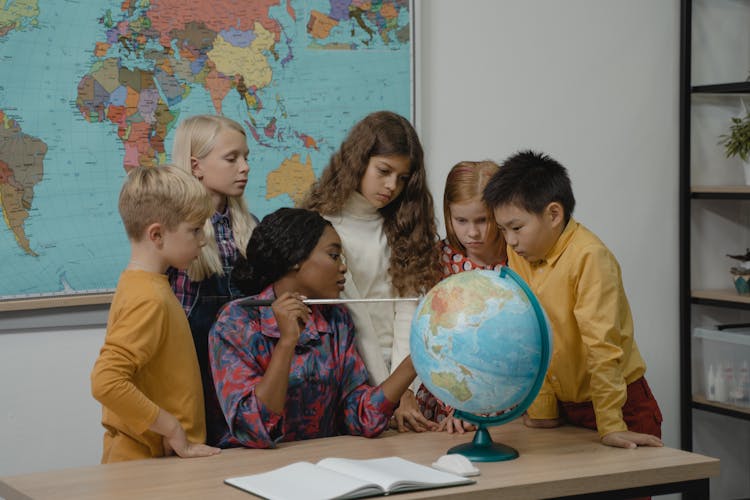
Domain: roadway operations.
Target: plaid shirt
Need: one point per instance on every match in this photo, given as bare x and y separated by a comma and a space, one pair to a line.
327, 394
187, 290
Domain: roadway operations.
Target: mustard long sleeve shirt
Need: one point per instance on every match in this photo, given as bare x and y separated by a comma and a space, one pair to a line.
148, 362
595, 356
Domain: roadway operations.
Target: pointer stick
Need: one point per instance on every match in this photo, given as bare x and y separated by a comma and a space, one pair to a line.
268, 302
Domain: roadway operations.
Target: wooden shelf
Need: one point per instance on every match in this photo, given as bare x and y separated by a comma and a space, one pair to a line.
720, 192
701, 403
702, 201
723, 298
722, 88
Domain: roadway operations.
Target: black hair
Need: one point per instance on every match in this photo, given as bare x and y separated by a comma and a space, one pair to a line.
282, 239
531, 181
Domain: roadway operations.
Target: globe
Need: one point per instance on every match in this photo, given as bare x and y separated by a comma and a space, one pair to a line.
481, 342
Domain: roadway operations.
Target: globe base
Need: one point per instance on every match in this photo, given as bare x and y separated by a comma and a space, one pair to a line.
483, 449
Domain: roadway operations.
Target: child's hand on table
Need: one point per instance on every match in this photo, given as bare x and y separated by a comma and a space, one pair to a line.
629, 439
451, 424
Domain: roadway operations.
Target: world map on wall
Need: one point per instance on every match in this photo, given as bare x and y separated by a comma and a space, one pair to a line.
91, 88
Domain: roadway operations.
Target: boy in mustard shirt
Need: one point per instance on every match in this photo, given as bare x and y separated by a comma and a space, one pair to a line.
595, 378
146, 376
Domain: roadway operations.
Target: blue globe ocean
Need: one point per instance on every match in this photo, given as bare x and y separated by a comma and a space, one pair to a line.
481, 343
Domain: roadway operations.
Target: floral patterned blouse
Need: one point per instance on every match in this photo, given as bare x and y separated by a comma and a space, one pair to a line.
327, 394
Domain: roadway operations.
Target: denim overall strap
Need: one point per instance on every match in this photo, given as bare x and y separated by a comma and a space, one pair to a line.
213, 293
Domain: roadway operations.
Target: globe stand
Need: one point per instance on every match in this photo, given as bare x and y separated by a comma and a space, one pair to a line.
484, 449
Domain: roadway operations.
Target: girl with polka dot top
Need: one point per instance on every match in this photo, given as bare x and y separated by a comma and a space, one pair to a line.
473, 242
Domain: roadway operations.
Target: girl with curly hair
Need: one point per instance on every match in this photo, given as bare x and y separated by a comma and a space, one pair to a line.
291, 371
374, 192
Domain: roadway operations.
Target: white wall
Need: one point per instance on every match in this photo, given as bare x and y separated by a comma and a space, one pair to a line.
48, 419
591, 82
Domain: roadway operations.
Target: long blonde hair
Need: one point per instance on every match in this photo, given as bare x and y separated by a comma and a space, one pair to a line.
466, 182
195, 138
409, 220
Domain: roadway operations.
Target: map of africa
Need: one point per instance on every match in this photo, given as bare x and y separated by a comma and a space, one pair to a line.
92, 88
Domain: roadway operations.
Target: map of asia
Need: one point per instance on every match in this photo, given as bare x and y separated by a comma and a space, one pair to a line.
91, 88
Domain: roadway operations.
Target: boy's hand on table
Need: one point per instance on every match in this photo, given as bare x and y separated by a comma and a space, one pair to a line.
179, 444
629, 439
175, 440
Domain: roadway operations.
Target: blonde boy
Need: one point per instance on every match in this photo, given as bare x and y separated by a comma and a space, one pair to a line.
146, 376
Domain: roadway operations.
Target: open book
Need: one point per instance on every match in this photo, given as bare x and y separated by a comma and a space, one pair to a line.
345, 478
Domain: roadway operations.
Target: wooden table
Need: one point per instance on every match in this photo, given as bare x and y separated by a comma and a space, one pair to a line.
553, 463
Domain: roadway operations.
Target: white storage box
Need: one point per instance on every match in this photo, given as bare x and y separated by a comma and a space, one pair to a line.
724, 356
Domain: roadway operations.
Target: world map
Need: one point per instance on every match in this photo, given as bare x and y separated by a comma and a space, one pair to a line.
92, 88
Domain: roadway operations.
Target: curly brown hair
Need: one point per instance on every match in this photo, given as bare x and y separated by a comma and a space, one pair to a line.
409, 220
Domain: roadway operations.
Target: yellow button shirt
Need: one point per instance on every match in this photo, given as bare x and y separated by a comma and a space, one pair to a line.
595, 356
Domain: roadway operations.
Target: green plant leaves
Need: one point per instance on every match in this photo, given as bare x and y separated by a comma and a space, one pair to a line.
737, 141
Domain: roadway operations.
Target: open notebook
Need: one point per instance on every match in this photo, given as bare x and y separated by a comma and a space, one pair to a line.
345, 478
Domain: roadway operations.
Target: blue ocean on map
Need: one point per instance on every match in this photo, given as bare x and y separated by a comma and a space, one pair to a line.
76, 243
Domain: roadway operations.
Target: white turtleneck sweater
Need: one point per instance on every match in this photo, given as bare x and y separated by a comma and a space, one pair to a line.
382, 329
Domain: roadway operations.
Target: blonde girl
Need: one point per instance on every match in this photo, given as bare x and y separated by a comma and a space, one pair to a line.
214, 150
374, 192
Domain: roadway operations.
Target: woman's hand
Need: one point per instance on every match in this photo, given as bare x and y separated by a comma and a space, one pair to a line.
291, 315
408, 417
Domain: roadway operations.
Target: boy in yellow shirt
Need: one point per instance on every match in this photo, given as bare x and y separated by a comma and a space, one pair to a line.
146, 376
595, 378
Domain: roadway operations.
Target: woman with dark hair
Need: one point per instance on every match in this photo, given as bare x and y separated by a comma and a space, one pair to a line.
290, 371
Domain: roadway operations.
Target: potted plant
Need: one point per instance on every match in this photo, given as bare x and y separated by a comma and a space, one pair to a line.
737, 142
741, 272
